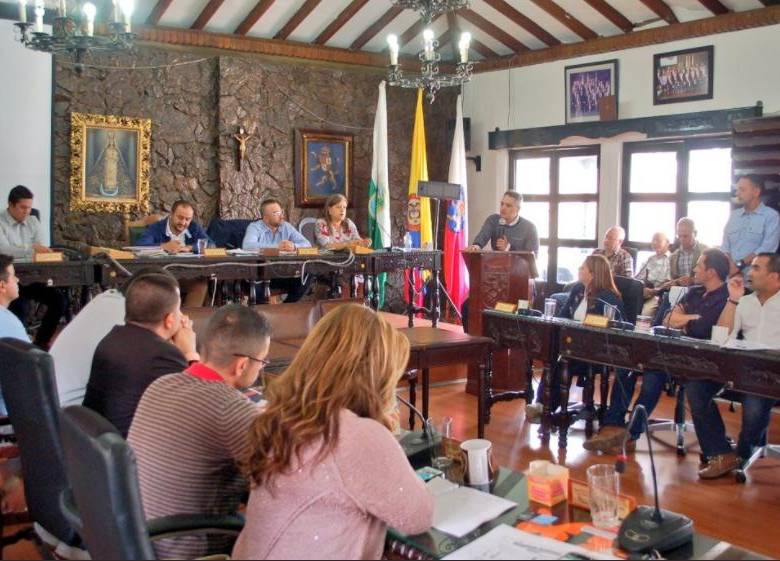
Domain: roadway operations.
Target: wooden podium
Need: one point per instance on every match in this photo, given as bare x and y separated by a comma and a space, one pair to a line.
499, 276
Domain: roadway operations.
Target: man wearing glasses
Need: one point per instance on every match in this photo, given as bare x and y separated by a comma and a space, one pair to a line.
273, 232
190, 431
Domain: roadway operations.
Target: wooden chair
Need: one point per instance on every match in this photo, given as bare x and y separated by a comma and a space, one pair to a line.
134, 229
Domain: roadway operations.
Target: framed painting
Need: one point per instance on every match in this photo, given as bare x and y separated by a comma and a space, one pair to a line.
323, 167
683, 75
110, 164
586, 85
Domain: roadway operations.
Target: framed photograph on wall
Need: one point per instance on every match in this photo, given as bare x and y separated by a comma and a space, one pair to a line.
586, 86
323, 166
683, 75
110, 164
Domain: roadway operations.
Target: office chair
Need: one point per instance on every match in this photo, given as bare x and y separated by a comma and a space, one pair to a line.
105, 501
30, 391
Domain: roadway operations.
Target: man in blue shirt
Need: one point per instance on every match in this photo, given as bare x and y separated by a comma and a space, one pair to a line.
752, 229
273, 232
10, 326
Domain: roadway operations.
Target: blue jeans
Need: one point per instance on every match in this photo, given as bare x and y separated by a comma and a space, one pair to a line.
623, 390
710, 430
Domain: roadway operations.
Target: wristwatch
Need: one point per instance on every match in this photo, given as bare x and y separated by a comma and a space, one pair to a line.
735, 302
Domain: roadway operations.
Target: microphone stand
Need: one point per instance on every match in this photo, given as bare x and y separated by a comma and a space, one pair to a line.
426, 436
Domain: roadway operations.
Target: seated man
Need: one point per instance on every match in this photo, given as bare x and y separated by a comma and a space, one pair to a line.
655, 273
684, 259
190, 431
10, 326
620, 260
179, 234
757, 316
157, 339
697, 313
20, 237
273, 232
505, 231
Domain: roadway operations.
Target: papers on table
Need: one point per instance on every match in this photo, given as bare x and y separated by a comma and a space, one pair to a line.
739, 345
505, 542
461, 510
241, 253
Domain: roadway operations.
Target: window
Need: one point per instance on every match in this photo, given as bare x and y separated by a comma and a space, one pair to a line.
560, 189
666, 181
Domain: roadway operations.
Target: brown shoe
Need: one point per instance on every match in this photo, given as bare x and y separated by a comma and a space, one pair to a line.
607, 439
618, 450
719, 466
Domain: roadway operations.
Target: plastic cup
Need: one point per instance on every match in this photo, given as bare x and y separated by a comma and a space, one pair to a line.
604, 490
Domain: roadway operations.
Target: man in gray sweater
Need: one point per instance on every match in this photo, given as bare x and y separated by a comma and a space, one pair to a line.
506, 231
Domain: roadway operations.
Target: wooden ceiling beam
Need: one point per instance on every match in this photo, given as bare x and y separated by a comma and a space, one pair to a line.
414, 31
728, 23
341, 20
483, 49
716, 7
253, 17
158, 11
662, 9
454, 30
207, 13
493, 30
383, 21
618, 19
297, 19
523, 21
567, 19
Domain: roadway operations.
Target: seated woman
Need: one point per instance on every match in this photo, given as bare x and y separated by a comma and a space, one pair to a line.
595, 290
655, 273
335, 231
328, 476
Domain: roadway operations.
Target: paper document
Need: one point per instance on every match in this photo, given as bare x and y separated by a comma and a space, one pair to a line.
745, 345
505, 542
461, 510
241, 252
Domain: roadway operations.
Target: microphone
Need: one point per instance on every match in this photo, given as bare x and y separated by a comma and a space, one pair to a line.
647, 528
419, 448
116, 264
426, 425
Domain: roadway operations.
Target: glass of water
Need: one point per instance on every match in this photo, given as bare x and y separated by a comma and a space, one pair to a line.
610, 311
604, 490
200, 247
550, 307
441, 430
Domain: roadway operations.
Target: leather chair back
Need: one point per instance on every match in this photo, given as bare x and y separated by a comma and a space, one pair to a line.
633, 292
104, 478
30, 390
228, 233
307, 228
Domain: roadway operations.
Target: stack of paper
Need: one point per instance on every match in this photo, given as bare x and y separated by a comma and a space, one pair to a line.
461, 510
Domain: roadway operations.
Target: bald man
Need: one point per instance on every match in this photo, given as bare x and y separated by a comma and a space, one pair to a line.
620, 260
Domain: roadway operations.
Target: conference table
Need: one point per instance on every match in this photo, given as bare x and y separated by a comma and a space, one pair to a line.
556, 342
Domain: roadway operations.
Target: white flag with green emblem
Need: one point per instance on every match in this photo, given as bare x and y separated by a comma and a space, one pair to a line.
379, 188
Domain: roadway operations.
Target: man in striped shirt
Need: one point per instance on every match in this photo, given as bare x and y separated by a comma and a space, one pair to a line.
190, 431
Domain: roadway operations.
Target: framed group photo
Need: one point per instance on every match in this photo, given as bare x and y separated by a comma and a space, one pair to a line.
683, 75
586, 86
323, 166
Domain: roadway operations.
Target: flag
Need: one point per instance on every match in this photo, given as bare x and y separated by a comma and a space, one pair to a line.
418, 214
456, 234
379, 227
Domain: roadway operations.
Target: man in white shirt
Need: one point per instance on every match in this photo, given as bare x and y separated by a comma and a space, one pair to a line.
757, 317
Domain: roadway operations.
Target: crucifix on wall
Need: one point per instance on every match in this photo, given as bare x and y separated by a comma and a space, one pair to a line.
241, 137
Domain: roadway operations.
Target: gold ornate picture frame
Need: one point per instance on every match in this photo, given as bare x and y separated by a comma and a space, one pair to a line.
110, 164
323, 166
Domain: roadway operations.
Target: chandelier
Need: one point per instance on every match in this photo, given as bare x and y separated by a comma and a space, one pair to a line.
73, 32
429, 9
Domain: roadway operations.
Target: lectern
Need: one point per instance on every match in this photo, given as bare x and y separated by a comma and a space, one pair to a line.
499, 276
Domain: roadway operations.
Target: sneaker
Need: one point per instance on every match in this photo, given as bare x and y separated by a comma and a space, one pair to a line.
533, 413
719, 466
608, 438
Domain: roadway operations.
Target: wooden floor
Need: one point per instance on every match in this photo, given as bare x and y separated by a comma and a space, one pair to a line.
746, 515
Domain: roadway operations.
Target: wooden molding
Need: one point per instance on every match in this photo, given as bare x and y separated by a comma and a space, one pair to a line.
735, 21
493, 30
662, 9
566, 19
383, 21
523, 21
341, 20
618, 20
158, 11
207, 13
716, 7
253, 17
297, 19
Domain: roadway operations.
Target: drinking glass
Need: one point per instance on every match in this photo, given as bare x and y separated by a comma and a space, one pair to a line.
604, 488
550, 307
201, 246
610, 311
443, 430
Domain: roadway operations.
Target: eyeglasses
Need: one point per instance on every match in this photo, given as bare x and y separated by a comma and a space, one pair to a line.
263, 363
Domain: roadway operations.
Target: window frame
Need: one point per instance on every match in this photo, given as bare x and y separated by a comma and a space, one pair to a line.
682, 197
555, 198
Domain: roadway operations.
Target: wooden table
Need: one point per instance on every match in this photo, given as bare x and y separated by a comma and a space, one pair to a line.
66, 274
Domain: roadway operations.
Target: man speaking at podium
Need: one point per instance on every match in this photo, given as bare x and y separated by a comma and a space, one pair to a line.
506, 231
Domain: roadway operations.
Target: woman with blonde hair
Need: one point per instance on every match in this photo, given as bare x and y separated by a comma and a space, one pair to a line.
328, 476
334, 230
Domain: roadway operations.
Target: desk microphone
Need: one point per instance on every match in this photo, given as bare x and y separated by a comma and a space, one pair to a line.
647, 528
426, 432
419, 447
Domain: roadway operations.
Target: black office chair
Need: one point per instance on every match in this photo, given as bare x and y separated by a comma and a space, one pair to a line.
30, 391
105, 503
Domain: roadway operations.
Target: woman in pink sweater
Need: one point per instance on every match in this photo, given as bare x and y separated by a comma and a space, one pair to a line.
328, 475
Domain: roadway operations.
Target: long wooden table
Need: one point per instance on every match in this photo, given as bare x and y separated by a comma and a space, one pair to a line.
556, 342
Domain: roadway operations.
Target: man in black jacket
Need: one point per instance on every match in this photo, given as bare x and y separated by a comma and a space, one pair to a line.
157, 339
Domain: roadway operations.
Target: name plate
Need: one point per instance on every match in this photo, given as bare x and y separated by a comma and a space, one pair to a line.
596, 321
270, 252
506, 308
117, 254
215, 252
55, 257
308, 251
360, 250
